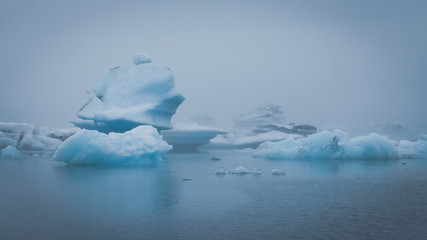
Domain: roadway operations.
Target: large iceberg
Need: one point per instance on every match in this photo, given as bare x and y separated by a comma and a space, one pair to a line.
127, 97
27, 137
139, 146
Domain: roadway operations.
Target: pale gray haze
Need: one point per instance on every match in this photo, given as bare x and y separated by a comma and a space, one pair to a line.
324, 62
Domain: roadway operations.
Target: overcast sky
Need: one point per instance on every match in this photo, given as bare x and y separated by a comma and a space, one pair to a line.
325, 62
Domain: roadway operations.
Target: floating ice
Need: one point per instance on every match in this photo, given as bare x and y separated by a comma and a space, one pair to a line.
331, 145
27, 137
414, 149
131, 96
141, 145
241, 140
188, 137
221, 171
277, 172
257, 171
265, 123
11, 153
240, 170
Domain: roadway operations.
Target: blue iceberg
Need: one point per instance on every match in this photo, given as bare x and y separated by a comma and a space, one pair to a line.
128, 97
331, 145
138, 146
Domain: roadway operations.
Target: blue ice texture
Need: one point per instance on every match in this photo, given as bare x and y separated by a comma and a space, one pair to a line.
338, 145
128, 97
140, 146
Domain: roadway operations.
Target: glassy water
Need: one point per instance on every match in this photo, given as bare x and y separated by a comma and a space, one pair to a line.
182, 198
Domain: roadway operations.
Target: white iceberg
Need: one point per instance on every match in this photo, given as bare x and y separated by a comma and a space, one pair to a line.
27, 137
265, 123
139, 146
234, 140
188, 137
128, 97
331, 145
414, 149
240, 170
11, 152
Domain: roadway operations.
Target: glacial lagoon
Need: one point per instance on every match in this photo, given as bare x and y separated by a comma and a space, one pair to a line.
183, 198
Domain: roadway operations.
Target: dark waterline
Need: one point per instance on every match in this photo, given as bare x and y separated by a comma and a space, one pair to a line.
182, 198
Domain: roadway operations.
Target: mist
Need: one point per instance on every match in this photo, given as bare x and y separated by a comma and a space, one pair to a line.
327, 63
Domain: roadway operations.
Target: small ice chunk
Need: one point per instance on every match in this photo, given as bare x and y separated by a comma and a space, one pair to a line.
257, 171
215, 158
141, 58
220, 171
241, 170
11, 152
277, 172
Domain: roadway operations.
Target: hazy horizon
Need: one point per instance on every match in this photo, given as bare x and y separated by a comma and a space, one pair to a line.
325, 62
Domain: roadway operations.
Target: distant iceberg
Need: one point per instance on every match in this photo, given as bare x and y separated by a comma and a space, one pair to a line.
338, 145
128, 97
265, 123
27, 137
139, 146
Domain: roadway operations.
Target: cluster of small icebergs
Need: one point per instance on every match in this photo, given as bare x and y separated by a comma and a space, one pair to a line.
242, 170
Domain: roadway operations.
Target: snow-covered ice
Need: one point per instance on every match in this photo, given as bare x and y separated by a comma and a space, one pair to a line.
11, 152
331, 145
127, 97
139, 146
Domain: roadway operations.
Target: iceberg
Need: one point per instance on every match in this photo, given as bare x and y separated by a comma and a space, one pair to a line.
11, 152
188, 134
27, 137
265, 123
331, 145
139, 146
128, 97
189, 137
417, 149
267, 113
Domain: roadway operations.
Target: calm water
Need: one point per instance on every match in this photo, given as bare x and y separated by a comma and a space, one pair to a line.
314, 200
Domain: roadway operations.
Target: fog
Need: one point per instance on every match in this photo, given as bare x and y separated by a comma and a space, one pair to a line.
327, 63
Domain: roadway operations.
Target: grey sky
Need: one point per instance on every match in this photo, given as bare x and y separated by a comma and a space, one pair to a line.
325, 62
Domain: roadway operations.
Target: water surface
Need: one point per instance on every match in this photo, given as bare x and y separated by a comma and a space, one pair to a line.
182, 198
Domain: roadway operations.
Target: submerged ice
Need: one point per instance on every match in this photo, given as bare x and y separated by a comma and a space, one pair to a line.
127, 97
140, 145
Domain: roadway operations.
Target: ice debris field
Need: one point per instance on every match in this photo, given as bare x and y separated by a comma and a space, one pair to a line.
127, 121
